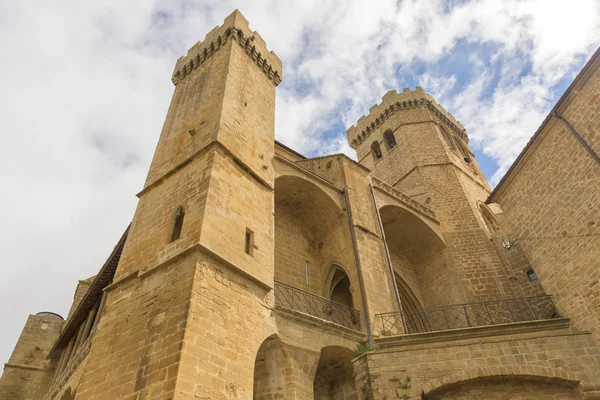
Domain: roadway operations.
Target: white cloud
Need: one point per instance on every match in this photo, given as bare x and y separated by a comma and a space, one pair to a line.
87, 86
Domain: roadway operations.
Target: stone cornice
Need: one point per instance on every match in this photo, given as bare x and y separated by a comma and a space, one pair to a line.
22, 366
456, 335
318, 323
404, 199
200, 53
393, 102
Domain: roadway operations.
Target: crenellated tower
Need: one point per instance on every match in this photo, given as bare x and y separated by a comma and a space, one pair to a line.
414, 145
200, 245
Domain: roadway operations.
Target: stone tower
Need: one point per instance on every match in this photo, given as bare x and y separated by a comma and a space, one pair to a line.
206, 210
24, 372
413, 145
252, 272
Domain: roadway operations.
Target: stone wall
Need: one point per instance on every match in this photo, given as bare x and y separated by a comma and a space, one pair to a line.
441, 362
23, 374
551, 200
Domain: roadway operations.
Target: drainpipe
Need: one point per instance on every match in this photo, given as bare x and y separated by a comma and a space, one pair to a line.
359, 269
387, 251
577, 136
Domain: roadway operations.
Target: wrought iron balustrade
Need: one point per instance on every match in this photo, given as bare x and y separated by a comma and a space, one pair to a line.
307, 303
467, 315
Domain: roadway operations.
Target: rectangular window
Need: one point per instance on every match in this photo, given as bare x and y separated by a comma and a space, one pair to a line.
249, 242
307, 268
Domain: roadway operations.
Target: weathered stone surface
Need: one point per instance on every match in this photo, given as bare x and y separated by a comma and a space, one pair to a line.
252, 272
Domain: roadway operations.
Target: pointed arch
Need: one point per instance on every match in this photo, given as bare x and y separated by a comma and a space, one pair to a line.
389, 138
447, 137
337, 286
414, 317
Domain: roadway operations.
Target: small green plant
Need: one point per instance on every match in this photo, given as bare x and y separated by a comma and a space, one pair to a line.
363, 347
385, 332
401, 386
38, 348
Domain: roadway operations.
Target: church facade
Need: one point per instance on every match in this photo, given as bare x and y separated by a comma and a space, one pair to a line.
252, 272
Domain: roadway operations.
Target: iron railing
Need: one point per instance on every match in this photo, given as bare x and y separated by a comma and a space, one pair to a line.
287, 296
467, 315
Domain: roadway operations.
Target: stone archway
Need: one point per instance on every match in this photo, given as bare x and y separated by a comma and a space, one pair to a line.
306, 220
508, 387
338, 286
270, 368
334, 379
419, 259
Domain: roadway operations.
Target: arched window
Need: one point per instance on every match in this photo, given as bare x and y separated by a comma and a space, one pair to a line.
376, 150
339, 287
389, 138
179, 215
447, 137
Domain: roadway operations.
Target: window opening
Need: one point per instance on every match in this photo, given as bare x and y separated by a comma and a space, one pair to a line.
376, 150
249, 242
178, 225
531, 275
390, 139
307, 268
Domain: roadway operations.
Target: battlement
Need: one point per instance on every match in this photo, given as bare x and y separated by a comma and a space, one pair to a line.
235, 28
393, 102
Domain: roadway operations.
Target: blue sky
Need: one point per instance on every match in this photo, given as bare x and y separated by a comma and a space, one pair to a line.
87, 86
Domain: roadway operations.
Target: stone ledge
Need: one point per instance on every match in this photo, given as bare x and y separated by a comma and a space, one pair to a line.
473, 333
196, 246
21, 366
319, 323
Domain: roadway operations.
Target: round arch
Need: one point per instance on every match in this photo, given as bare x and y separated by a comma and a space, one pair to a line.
285, 171
306, 199
334, 378
438, 385
270, 381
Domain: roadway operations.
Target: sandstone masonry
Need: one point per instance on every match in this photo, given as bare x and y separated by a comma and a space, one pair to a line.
252, 272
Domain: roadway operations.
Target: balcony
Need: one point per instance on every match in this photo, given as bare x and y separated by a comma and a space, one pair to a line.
295, 299
460, 316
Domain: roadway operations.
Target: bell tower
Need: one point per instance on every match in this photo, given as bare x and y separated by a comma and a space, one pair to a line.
408, 133
413, 144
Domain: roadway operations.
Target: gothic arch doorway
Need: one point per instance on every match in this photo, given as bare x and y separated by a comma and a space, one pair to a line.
338, 286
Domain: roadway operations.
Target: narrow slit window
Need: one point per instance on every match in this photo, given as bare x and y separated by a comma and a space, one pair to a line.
389, 138
249, 242
307, 268
178, 225
376, 150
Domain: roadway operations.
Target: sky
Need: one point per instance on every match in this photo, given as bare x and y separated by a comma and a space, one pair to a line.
86, 87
